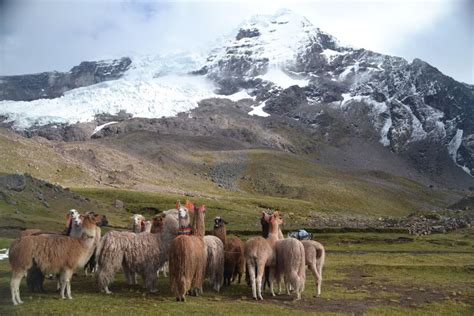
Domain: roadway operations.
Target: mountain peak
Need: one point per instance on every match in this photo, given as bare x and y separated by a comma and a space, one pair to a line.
264, 42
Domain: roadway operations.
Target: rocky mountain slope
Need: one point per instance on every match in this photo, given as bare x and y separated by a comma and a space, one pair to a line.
49, 85
297, 90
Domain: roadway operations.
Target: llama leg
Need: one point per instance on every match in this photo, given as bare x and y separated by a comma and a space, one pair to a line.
67, 276
107, 291
251, 272
151, 279
15, 287
320, 281
288, 286
315, 273
260, 273
271, 275
62, 282
127, 274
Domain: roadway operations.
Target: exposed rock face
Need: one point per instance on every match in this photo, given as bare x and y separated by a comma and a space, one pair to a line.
247, 33
15, 182
48, 85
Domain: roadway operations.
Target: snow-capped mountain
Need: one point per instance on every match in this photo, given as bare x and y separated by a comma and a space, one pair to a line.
408, 104
290, 67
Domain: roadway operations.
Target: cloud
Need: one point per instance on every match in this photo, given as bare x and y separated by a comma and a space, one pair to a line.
45, 35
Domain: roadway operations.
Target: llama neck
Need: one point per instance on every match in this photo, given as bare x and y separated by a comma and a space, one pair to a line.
265, 228
136, 228
273, 234
221, 233
199, 226
183, 222
168, 232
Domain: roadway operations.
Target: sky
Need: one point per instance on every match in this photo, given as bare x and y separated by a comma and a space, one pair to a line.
45, 35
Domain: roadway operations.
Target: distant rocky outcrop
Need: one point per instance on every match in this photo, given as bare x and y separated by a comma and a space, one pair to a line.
48, 85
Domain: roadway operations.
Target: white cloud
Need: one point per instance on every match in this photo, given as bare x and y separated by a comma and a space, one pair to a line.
46, 35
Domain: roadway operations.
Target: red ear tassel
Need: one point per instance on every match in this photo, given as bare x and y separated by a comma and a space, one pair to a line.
189, 206
178, 204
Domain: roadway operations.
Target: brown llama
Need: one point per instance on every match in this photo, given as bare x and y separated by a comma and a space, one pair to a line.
52, 254
188, 257
34, 277
143, 253
260, 252
234, 260
315, 256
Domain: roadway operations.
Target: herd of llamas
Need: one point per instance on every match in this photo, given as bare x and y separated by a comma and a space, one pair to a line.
173, 243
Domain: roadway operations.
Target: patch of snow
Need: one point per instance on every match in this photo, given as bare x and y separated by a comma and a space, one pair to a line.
100, 127
331, 54
454, 144
466, 170
280, 78
258, 110
3, 254
242, 94
384, 132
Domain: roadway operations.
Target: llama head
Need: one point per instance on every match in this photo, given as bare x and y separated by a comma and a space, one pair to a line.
100, 220
71, 216
182, 212
75, 219
87, 224
219, 222
276, 218
137, 219
157, 221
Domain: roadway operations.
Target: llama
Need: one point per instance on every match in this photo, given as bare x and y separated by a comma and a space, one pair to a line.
35, 278
52, 254
142, 253
91, 266
265, 228
156, 227
260, 252
234, 260
138, 226
315, 255
188, 257
215, 261
290, 263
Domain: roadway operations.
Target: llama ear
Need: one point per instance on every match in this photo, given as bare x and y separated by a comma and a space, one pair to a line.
202, 208
178, 204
